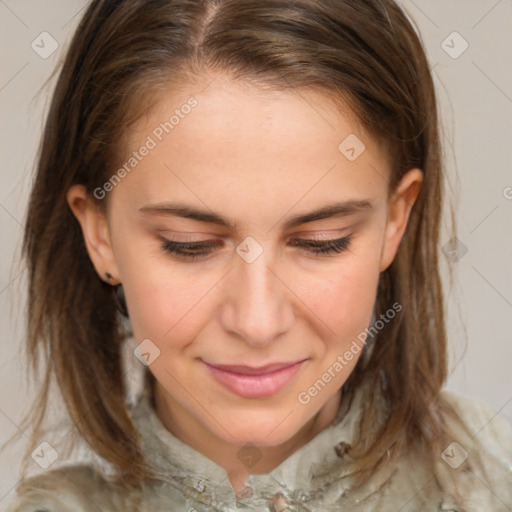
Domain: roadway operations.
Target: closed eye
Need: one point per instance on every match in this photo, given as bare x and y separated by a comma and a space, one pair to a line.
193, 250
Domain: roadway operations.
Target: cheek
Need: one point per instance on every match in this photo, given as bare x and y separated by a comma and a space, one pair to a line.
344, 303
160, 296
160, 308
344, 298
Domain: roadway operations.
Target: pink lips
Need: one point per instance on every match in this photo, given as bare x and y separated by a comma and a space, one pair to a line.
250, 382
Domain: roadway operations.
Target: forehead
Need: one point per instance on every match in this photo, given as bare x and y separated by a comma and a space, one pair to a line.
221, 142
240, 110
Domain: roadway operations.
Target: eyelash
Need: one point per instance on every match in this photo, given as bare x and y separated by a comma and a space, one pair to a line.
317, 247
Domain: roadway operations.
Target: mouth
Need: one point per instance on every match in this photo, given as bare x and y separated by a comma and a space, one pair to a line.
255, 382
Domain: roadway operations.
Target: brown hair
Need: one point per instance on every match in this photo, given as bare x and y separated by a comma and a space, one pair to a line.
364, 52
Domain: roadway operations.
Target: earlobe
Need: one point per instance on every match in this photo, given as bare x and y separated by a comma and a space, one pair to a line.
95, 231
400, 206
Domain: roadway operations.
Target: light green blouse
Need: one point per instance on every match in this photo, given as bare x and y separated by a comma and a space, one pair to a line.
312, 479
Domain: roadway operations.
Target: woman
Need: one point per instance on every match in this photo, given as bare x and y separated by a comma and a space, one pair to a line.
255, 185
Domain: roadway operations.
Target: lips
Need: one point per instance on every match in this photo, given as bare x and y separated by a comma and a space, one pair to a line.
250, 370
255, 382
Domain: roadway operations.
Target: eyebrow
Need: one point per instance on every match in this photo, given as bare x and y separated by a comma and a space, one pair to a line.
339, 209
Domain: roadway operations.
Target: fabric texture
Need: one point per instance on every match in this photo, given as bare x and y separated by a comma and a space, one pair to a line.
312, 479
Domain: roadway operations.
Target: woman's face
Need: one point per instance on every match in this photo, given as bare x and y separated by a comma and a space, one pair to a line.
245, 176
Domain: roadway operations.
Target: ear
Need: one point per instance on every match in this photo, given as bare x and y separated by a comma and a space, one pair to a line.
400, 206
95, 231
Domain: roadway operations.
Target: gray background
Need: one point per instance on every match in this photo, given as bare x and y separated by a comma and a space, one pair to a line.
475, 93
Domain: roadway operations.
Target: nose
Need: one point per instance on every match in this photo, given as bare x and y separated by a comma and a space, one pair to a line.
258, 306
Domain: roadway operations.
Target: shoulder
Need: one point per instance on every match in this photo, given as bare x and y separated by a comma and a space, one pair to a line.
472, 471
488, 426
73, 488
479, 457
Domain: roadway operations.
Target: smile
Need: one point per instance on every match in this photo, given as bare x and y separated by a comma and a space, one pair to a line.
250, 382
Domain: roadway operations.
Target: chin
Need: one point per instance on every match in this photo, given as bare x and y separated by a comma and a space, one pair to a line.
260, 429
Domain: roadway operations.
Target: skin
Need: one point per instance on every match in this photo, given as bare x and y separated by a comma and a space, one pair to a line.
256, 158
